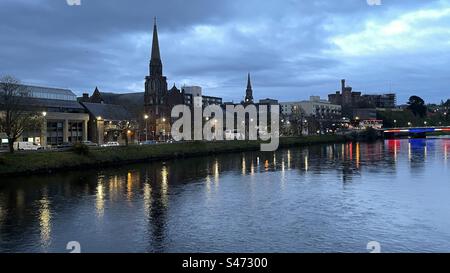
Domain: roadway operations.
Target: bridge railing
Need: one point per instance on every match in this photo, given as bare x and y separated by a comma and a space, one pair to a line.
417, 130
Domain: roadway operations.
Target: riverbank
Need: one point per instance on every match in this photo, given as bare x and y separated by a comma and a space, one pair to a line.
47, 162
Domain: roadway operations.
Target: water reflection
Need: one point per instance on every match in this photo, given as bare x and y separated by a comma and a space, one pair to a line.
100, 198
164, 186
147, 199
252, 200
446, 146
45, 218
2, 211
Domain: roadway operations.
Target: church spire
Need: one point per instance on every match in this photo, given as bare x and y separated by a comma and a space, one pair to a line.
96, 96
155, 62
249, 91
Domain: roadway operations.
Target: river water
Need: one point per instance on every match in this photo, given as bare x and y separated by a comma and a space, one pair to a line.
325, 198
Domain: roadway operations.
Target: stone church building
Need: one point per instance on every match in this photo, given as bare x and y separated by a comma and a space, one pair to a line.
156, 96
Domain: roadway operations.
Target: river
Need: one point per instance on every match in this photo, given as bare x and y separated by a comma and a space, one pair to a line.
324, 198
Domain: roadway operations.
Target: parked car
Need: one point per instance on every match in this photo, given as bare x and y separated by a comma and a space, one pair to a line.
111, 144
65, 145
27, 146
89, 143
148, 142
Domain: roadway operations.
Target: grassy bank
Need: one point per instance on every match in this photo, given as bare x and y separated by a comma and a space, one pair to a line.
43, 162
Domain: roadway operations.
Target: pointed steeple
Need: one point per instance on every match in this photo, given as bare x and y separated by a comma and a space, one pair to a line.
155, 62
96, 96
174, 88
249, 91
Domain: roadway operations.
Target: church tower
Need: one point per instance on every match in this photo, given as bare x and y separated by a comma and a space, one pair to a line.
156, 92
249, 92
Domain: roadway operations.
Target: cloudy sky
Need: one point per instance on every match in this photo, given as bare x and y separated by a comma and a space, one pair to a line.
293, 48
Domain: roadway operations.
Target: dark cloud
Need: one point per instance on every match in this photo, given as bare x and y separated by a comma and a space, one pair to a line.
294, 49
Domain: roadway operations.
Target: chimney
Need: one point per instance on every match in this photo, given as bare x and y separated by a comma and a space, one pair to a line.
85, 97
343, 84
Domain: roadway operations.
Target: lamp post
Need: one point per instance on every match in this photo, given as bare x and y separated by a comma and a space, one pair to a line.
146, 127
395, 123
164, 130
43, 134
129, 132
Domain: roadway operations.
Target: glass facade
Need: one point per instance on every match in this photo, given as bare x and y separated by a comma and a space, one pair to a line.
75, 132
51, 94
55, 133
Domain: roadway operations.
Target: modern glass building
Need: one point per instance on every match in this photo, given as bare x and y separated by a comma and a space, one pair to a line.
64, 120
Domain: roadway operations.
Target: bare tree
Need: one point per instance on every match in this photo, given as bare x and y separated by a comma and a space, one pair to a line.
14, 117
126, 128
297, 120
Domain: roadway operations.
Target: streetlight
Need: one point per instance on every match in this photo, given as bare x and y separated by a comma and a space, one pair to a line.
163, 132
409, 124
146, 127
395, 123
425, 123
44, 115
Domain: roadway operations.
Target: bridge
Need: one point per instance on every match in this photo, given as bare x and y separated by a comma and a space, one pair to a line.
414, 132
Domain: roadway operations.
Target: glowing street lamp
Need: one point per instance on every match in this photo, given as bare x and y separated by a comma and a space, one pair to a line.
44, 114
146, 117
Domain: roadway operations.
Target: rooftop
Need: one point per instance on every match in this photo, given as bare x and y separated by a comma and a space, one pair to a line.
107, 111
41, 92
